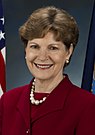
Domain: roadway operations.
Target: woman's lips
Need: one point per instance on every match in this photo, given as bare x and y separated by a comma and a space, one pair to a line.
43, 66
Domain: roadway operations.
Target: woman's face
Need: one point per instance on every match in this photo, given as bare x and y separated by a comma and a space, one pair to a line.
45, 57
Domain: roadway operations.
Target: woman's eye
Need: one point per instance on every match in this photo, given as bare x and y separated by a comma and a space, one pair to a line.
34, 46
53, 48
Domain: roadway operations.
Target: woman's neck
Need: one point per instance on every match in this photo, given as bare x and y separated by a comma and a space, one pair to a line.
46, 86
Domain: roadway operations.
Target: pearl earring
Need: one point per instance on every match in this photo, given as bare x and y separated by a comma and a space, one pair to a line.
67, 61
71, 44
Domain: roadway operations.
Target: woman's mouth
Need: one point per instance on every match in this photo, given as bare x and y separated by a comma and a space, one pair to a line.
43, 66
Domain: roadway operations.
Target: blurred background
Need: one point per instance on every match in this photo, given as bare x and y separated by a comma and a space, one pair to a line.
17, 12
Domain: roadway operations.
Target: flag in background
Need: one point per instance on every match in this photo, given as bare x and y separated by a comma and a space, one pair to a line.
90, 56
93, 82
2, 52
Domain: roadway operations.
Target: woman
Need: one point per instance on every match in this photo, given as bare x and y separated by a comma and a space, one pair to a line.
50, 104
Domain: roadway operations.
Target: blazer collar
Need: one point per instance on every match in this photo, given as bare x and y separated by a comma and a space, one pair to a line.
55, 100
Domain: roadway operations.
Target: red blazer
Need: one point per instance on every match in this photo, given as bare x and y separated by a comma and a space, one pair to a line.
68, 110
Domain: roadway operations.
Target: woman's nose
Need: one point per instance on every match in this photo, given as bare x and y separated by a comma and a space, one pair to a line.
43, 55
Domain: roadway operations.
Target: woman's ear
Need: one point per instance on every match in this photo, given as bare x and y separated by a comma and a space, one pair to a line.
70, 51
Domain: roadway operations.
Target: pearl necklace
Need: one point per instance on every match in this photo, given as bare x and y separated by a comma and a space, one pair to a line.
32, 99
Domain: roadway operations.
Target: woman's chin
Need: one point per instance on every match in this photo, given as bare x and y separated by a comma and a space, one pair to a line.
42, 77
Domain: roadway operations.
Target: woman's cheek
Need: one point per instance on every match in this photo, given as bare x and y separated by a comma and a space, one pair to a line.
30, 57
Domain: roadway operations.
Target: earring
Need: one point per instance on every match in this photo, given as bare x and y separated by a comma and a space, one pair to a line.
71, 44
67, 61
25, 57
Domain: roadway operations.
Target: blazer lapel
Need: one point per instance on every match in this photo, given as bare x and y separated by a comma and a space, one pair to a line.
55, 100
24, 105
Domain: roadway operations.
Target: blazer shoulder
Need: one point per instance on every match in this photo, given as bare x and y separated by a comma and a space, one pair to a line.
83, 95
14, 94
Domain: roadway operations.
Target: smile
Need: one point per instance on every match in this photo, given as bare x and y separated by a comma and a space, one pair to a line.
43, 66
